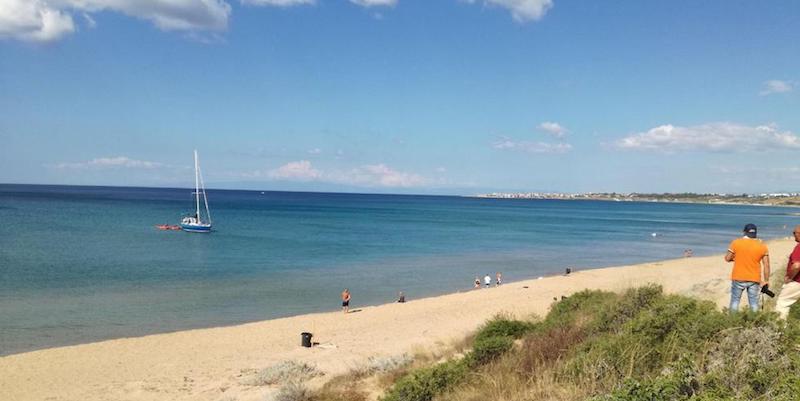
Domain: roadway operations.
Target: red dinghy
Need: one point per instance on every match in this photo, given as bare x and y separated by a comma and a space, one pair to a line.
166, 227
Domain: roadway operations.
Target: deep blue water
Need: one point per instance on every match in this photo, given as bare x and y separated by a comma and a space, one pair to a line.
80, 264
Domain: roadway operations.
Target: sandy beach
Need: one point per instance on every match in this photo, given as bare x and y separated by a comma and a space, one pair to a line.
216, 363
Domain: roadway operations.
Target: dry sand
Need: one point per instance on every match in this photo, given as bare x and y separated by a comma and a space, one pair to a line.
216, 364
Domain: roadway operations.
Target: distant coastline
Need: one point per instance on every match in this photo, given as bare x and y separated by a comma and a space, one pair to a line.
764, 199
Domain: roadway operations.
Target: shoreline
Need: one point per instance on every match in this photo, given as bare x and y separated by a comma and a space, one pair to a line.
682, 202
213, 363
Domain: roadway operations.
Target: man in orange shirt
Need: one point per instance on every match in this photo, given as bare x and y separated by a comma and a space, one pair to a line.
748, 255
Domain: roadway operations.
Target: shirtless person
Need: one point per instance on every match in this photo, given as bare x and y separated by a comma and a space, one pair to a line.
346, 300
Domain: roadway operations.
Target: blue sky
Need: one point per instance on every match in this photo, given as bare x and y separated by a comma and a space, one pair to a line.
402, 96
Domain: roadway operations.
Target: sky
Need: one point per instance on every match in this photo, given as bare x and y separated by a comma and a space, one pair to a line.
403, 96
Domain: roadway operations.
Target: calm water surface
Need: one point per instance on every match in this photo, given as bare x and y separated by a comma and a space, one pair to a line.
80, 264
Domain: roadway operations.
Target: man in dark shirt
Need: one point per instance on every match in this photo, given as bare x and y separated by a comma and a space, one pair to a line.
791, 283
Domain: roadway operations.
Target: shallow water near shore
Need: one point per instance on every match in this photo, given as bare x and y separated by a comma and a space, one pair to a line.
81, 264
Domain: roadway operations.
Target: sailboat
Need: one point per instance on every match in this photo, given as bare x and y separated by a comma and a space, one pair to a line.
195, 223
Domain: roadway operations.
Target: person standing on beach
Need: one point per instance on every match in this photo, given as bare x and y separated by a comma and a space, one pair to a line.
790, 292
487, 280
498, 279
750, 259
477, 282
346, 300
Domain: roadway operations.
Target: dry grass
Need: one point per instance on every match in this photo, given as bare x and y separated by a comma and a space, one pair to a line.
505, 381
368, 381
284, 372
294, 391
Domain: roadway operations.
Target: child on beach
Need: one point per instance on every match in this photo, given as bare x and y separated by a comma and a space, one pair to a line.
498, 279
477, 282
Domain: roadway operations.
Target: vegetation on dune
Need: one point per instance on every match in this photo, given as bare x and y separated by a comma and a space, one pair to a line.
642, 345
637, 346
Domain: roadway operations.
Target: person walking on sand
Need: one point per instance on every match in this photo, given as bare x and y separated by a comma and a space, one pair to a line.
790, 292
401, 298
498, 279
487, 280
346, 300
750, 259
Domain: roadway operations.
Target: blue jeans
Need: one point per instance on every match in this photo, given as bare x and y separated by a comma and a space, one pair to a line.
737, 287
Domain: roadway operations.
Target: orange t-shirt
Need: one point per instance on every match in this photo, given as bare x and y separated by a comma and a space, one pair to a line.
747, 254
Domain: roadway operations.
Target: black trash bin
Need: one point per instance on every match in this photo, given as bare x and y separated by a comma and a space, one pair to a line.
305, 339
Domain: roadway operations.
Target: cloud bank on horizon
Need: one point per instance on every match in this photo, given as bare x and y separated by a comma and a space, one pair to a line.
51, 20
714, 137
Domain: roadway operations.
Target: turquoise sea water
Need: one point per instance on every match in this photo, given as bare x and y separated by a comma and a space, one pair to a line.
81, 264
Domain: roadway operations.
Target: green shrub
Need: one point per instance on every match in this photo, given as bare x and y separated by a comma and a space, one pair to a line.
667, 328
503, 326
678, 382
633, 301
745, 363
579, 309
492, 340
487, 349
425, 383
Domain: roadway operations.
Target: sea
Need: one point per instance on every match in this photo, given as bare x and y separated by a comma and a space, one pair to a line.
82, 264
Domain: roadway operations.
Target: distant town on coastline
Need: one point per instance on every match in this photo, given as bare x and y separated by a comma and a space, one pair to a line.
772, 199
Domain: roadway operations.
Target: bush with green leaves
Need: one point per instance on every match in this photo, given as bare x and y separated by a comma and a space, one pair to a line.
745, 363
503, 326
658, 335
425, 383
492, 340
678, 382
487, 349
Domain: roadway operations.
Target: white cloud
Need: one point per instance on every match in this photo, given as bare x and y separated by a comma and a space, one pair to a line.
373, 3
278, 3
111, 162
33, 20
379, 175
521, 10
300, 171
723, 136
554, 129
531, 147
49, 20
776, 86
373, 175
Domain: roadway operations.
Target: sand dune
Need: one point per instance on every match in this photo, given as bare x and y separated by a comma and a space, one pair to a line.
215, 364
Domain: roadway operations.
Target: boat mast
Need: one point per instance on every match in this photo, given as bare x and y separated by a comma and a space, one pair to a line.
196, 187
205, 199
